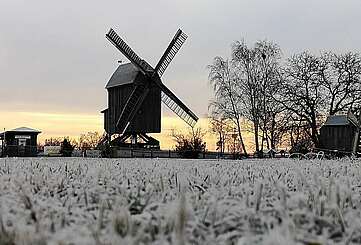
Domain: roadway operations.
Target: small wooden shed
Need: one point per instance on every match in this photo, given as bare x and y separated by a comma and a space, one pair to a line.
340, 133
20, 142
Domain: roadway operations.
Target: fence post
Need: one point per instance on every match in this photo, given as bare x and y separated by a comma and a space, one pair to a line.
131, 152
151, 153
169, 153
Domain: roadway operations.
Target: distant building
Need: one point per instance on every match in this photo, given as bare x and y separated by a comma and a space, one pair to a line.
20, 142
340, 133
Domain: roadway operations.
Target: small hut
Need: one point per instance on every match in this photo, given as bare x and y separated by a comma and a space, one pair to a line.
20, 142
340, 133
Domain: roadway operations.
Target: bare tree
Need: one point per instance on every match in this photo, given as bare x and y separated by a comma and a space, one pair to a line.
318, 86
249, 76
226, 103
273, 114
303, 94
53, 141
340, 75
89, 140
223, 128
275, 125
257, 73
298, 135
289, 101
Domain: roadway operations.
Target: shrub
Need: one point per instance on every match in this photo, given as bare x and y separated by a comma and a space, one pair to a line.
66, 148
105, 149
303, 146
191, 144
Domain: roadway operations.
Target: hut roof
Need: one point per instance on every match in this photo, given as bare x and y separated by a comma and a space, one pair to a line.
25, 129
341, 120
21, 130
124, 74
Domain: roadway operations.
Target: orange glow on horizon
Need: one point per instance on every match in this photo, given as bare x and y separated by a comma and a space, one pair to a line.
72, 125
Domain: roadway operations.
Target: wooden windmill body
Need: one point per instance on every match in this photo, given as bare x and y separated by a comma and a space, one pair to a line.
135, 92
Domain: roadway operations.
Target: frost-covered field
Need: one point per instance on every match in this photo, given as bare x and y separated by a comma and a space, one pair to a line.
159, 201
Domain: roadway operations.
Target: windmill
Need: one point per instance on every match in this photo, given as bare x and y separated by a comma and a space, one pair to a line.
135, 92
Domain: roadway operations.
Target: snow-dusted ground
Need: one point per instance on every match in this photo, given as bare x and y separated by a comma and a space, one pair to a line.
160, 201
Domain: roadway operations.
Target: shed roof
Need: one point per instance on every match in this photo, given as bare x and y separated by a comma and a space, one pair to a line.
340, 120
124, 74
21, 130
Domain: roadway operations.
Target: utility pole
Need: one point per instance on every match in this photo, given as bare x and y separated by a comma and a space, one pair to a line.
356, 139
3, 144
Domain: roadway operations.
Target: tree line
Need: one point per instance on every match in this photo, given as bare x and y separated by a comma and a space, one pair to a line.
86, 141
281, 100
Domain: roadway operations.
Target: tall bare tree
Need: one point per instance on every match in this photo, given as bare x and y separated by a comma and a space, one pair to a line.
318, 86
258, 75
341, 78
273, 113
226, 103
275, 125
303, 94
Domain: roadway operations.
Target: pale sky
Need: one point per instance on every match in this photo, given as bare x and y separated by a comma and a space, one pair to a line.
55, 59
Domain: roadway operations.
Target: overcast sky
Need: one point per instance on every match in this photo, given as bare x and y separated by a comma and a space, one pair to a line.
54, 56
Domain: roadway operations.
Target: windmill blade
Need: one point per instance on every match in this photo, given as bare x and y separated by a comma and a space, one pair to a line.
121, 45
177, 106
133, 104
174, 46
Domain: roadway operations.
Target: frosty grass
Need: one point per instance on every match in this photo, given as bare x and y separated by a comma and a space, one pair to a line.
166, 201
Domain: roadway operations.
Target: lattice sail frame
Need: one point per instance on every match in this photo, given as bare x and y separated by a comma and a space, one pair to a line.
173, 48
123, 47
189, 117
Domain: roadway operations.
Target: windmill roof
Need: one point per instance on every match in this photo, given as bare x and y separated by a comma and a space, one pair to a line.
340, 120
124, 74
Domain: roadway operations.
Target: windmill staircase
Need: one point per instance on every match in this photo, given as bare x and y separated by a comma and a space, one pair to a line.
131, 107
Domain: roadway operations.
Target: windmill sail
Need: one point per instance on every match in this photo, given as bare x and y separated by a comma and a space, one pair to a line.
121, 45
174, 46
177, 106
131, 107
